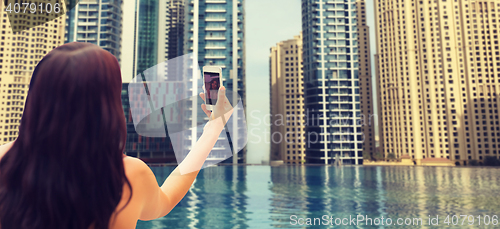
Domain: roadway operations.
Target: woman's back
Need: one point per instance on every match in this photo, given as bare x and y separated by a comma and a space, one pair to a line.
140, 177
67, 167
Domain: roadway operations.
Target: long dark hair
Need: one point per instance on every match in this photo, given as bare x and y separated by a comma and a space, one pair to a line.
65, 170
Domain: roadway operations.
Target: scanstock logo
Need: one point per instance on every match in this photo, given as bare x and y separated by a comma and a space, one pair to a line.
26, 14
164, 102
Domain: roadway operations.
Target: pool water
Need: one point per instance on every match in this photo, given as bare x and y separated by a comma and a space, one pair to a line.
277, 197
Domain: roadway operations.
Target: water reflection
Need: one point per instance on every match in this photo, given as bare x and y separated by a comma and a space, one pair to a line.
266, 197
216, 200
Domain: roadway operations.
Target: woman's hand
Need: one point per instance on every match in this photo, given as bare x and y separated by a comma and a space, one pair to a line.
160, 202
222, 108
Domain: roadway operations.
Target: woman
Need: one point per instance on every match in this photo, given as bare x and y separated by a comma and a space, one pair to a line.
67, 169
213, 92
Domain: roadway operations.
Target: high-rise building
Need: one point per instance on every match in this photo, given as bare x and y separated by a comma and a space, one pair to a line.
176, 29
149, 149
98, 22
158, 33
332, 77
438, 79
20, 52
214, 33
287, 102
368, 115
150, 34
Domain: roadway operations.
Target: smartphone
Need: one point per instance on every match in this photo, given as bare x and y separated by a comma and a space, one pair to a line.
212, 76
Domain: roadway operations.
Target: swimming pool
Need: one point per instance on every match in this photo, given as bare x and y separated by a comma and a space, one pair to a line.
286, 196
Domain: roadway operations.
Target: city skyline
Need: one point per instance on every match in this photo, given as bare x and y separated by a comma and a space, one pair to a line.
258, 91
216, 52
267, 26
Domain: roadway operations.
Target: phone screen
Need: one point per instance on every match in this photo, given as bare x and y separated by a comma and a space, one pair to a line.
212, 84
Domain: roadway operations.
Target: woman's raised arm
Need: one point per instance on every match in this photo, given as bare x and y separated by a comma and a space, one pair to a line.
159, 201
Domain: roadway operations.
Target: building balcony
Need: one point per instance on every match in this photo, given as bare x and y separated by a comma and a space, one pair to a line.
87, 31
87, 23
86, 39
215, 29
343, 141
215, 47
344, 101
341, 149
85, 16
215, 57
215, 10
215, 38
214, 19
95, 9
341, 124
110, 25
341, 109
216, 1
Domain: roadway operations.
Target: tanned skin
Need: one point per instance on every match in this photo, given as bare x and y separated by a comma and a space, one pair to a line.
149, 200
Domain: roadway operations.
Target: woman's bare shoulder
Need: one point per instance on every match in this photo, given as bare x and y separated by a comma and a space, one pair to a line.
127, 218
135, 167
4, 148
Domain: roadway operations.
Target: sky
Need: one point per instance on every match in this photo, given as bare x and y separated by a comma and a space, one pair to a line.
267, 22
127, 40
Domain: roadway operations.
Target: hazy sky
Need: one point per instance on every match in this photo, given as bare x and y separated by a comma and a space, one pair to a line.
267, 22
127, 39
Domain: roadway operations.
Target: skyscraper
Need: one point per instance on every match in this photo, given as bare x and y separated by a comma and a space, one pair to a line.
149, 149
368, 115
176, 29
332, 75
98, 22
150, 31
214, 33
438, 79
158, 33
20, 52
287, 102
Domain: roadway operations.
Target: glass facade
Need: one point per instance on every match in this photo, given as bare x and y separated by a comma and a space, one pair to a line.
158, 37
176, 29
331, 81
158, 33
98, 22
214, 31
149, 149
146, 35
215, 36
